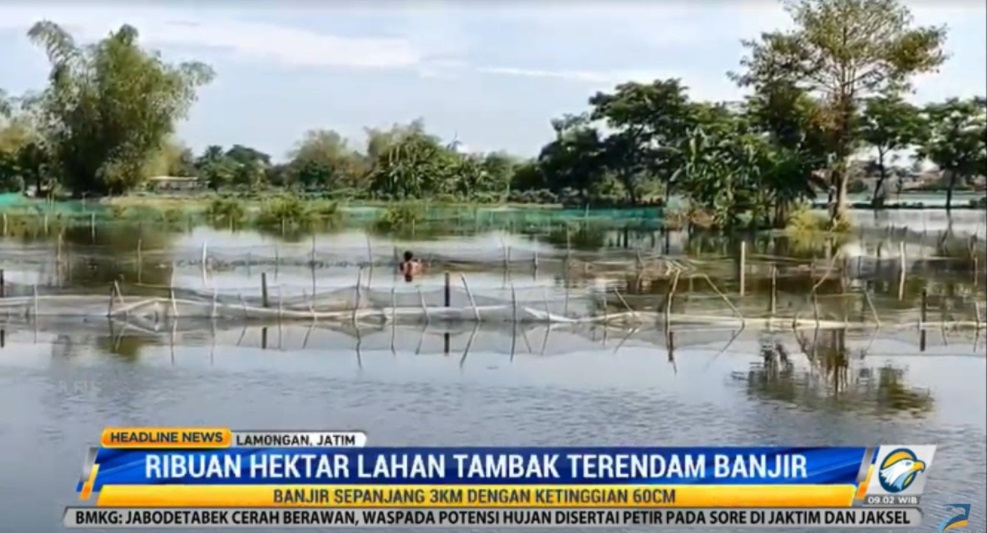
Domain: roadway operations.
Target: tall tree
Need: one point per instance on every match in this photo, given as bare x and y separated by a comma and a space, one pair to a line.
324, 159
109, 106
888, 124
844, 51
654, 117
573, 160
954, 140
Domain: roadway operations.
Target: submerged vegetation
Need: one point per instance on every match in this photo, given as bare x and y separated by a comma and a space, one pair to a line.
105, 125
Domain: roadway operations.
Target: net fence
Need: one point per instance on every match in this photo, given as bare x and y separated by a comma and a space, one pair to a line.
684, 301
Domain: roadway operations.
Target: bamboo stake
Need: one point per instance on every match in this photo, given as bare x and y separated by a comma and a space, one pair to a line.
469, 295
774, 290
742, 274
627, 305
263, 290
140, 259
394, 306
174, 304
109, 310
724, 297
359, 281
514, 305
901, 270
669, 297
421, 297
243, 304
215, 301
370, 260
5, 224
280, 306
119, 292
205, 261
873, 309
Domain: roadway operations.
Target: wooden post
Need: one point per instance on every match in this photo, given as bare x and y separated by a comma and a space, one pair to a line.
109, 310
263, 290
925, 305
92, 226
901, 270
5, 224
922, 334
743, 267
448, 291
774, 289
3, 288
140, 259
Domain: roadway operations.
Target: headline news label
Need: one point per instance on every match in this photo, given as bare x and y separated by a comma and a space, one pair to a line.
108, 518
219, 438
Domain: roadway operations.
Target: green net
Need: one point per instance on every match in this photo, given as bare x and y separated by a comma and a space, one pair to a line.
518, 216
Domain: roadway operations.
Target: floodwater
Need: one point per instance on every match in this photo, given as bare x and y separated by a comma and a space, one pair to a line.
65, 379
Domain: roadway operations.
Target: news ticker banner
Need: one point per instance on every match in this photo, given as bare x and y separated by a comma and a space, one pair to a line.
843, 518
217, 467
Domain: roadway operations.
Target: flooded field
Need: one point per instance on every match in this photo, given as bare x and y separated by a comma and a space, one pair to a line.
880, 378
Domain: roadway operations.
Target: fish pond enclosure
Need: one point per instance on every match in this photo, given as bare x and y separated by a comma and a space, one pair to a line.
657, 336
735, 287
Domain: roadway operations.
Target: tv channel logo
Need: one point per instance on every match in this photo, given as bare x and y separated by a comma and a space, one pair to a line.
959, 517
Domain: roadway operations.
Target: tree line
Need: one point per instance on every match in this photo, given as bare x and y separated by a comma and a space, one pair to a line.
819, 96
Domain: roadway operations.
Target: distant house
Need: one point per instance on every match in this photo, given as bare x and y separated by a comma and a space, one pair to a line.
173, 185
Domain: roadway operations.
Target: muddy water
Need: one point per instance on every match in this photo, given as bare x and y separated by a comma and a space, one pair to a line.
62, 380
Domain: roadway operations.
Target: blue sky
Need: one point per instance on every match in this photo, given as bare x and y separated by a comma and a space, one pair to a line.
491, 73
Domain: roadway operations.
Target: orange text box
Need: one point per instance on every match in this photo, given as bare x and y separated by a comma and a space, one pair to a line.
166, 437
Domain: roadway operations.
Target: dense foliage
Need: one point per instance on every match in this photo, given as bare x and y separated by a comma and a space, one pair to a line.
827, 93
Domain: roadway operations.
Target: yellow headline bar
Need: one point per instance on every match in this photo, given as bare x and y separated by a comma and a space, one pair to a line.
426, 496
166, 437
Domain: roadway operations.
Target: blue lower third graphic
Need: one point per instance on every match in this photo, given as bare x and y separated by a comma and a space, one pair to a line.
959, 518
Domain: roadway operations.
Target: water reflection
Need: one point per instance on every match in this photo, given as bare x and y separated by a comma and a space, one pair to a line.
835, 377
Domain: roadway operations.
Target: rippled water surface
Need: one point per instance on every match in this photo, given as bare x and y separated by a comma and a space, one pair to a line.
62, 380
60, 389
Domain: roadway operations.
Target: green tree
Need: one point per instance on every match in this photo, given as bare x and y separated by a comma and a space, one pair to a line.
109, 106
323, 159
844, 51
415, 165
214, 168
500, 168
954, 140
888, 124
573, 161
651, 119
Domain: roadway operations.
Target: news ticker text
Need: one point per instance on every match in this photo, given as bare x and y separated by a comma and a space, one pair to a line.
486, 496
108, 518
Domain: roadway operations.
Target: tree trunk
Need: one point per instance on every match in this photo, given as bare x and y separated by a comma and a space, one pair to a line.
877, 200
949, 190
838, 191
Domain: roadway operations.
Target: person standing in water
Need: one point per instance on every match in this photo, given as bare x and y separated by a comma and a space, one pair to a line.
410, 267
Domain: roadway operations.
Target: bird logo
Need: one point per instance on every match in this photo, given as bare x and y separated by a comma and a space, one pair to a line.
899, 470
958, 520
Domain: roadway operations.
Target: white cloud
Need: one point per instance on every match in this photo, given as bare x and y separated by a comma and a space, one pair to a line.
249, 40
587, 77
